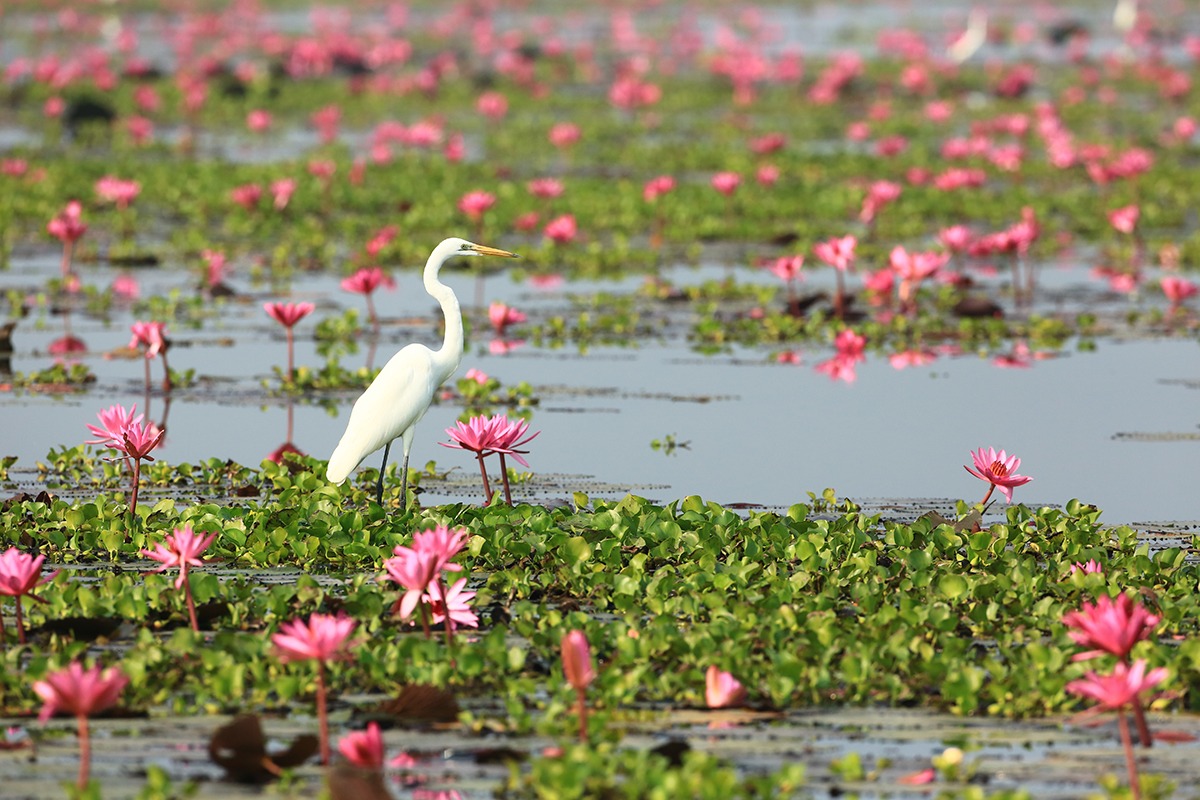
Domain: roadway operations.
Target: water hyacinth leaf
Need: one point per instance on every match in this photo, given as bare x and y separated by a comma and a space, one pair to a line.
952, 586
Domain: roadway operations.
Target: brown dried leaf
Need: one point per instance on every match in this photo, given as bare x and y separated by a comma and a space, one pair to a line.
240, 748
423, 703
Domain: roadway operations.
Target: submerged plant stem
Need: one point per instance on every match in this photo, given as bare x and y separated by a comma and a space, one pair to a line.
1130, 761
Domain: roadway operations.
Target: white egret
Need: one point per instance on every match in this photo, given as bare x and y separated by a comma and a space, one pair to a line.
402, 392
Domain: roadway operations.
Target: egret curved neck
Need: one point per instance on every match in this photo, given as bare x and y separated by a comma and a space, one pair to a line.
452, 346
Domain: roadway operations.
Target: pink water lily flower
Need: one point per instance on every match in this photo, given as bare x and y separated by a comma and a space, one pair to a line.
365, 281
182, 549
657, 187
363, 748
502, 315
113, 421
475, 203
118, 191
726, 182
562, 229
20, 574
323, 638
1177, 289
1121, 687
579, 672
722, 690
82, 693
837, 252
455, 607
288, 314
1109, 626
1124, 219
999, 470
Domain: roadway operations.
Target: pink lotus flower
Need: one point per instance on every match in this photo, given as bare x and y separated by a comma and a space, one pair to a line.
545, 188
578, 670
247, 196
477, 375
415, 572
956, 238
474, 204
1125, 218
455, 609
1092, 567
113, 421
326, 120
383, 237
999, 470
1177, 289
68, 226
1121, 687
322, 639
880, 194
657, 187
722, 690
20, 574
118, 191
152, 336
564, 134
1109, 626
561, 230
726, 182
258, 120
214, 262
365, 281
837, 252
126, 287
419, 570
767, 175
492, 105
787, 268
501, 316
82, 693
282, 191
287, 315
182, 549
363, 749
767, 144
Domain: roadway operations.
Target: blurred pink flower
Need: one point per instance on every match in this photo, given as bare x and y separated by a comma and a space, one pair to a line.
258, 120
577, 660
561, 229
837, 252
118, 191
657, 187
502, 315
363, 748
726, 182
281, 192
288, 314
455, 607
1124, 219
1177, 289
492, 105
475, 203
1109, 626
1120, 688
545, 188
722, 690
247, 196
564, 134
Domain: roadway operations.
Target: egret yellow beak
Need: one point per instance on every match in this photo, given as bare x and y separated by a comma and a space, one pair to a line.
484, 250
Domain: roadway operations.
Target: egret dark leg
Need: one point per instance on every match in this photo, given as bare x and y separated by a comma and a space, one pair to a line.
379, 487
404, 484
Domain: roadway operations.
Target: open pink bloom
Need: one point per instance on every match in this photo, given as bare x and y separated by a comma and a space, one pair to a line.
545, 188
288, 314
363, 748
767, 175
879, 195
247, 195
367, 280
68, 226
726, 182
118, 191
138, 441
915, 267
1091, 567
477, 375
1177, 289
127, 287
214, 261
414, 571
1124, 219
561, 230
441, 542
1121, 687
787, 268
839, 368
258, 120
322, 638
181, 549
473, 204
850, 344
577, 660
956, 238
506, 437
21, 573
150, 335
66, 345
564, 134
113, 422
456, 605
722, 690
837, 252
1109, 626
475, 435
492, 105
502, 316
998, 469
78, 691
385, 236
657, 187
282, 191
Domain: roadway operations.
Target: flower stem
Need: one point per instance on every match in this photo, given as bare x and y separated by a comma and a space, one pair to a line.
446, 611
988, 496
1130, 761
85, 754
487, 489
187, 594
1139, 719
20, 622
581, 709
425, 620
137, 479
504, 474
291, 347
322, 714
166, 384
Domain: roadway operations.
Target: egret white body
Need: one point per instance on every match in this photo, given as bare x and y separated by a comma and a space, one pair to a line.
400, 395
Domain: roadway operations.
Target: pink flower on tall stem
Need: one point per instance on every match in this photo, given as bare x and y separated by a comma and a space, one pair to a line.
82, 693
838, 253
1124, 219
1110, 626
258, 121
20, 574
545, 188
486, 435
152, 337
363, 749
474, 205
579, 672
562, 229
454, 609
726, 182
502, 315
323, 638
182, 549
787, 269
507, 436
118, 191
68, 227
1177, 289
657, 187
281, 192
419, 570
365, 281
474, 435
722, 690
247, 195
880, 194
564, 134
1115, 692
123, 431
999, 470
287, 315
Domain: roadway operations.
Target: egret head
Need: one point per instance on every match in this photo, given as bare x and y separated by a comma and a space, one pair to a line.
461, 247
